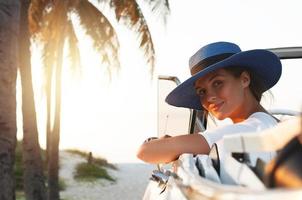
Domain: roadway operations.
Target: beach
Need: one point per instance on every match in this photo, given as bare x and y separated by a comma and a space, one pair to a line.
131, 181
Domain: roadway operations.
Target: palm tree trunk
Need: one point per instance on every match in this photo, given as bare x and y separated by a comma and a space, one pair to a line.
9, 27
49, 76
34, 185
53, 164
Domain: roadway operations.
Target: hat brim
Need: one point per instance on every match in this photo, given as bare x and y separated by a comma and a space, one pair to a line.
264, 63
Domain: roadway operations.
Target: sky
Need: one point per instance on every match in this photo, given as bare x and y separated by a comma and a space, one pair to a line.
112, 118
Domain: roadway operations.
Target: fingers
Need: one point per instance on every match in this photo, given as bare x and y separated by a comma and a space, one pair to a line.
154, 138
150, 138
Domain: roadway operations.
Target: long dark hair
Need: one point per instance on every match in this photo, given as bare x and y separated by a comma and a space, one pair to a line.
256, 85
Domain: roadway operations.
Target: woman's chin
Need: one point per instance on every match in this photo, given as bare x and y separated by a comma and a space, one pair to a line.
219, 116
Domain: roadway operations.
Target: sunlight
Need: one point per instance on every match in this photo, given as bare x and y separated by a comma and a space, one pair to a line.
109, 116
113, 117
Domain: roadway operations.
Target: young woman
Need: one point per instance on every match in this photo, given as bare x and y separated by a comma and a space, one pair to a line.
228, 83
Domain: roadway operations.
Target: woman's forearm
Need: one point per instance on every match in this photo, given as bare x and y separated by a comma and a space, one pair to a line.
165, 150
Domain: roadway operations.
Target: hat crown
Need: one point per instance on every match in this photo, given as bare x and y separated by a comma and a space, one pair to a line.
213, 49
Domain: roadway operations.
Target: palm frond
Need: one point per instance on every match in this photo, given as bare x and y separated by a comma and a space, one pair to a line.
53, 26
130, 12
147, 45
160, 7
36, 12
127, 10
100, 30
48, 60
74, 52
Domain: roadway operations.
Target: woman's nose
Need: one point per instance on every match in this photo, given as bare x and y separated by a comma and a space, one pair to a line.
208, 99
211, 97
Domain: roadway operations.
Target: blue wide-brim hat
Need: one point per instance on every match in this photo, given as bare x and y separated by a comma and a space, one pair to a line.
262, 63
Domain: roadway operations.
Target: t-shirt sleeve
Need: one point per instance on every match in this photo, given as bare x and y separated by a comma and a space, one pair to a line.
256, 122
214, 135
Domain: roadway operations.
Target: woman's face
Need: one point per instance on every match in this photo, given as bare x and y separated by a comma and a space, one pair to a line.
223, 94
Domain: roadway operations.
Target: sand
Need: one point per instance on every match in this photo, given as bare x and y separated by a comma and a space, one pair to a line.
131, 181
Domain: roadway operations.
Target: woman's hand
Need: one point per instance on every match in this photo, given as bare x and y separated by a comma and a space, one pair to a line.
166, 136
155, 138
149, 139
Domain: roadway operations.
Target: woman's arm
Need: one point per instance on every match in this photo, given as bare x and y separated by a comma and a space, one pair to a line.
168, 149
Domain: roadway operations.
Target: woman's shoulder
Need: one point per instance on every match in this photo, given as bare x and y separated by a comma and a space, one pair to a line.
262, 119
256, 122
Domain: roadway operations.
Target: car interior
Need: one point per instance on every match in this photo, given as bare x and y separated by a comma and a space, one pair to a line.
235, 168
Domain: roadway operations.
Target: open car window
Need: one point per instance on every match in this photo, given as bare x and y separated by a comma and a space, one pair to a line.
284, 100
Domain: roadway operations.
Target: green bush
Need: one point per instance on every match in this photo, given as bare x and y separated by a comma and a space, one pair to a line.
84, 171
18, 170
91, 172
103, 162
96, 160
18, 167
78, 152
20, 195
62, 185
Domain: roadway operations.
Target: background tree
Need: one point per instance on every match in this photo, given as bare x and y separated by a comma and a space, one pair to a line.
51, 24
33, 178
9, 26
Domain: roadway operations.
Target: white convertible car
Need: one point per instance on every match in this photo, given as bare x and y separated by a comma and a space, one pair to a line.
231, 176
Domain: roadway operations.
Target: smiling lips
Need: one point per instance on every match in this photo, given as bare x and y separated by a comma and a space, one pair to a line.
215, 107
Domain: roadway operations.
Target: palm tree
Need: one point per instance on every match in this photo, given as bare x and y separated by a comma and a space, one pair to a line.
34, 185
51, 24
9, 25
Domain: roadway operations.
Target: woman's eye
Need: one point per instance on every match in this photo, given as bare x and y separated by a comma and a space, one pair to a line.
200, 92
217, 83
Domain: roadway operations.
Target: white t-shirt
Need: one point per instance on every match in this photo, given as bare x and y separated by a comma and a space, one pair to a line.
256, 122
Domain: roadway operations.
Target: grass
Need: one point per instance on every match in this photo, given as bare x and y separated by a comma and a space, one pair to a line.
21, 196
91, 172
18, 171
84, 171
18, 167
62, 185
96, 160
